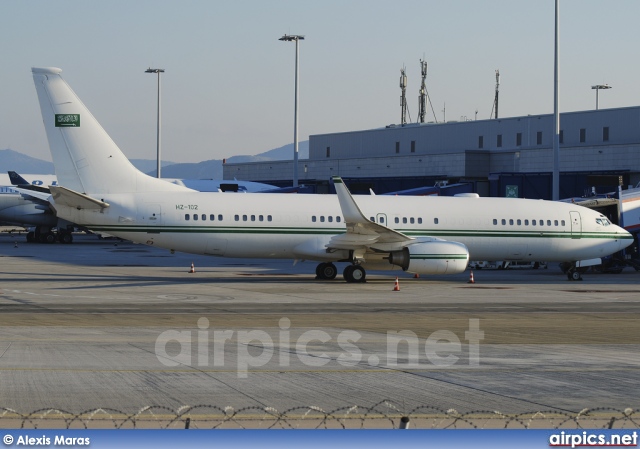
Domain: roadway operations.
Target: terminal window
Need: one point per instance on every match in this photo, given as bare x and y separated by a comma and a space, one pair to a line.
583, 135
539, 138
518, 139
413, 146
499, 141
480, 141
397, 147
605, 134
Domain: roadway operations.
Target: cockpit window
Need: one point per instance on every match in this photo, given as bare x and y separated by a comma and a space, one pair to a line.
603, 221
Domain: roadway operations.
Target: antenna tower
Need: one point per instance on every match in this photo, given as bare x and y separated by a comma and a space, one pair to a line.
403, 97
495, 101
422, 98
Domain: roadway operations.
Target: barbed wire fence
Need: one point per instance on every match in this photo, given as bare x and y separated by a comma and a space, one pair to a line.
383, 415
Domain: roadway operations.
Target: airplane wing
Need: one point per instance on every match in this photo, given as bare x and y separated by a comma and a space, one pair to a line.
362, 233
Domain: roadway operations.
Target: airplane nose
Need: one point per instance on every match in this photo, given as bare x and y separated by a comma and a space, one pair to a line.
625, 239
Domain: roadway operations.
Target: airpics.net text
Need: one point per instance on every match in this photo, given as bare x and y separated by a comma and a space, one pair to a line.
248, 349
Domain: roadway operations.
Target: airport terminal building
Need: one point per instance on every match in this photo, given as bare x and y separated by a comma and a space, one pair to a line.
497, 157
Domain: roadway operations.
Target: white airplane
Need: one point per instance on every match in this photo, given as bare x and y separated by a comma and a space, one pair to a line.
100, 189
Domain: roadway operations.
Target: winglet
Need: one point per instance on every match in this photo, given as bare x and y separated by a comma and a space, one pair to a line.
350, 210
358, 223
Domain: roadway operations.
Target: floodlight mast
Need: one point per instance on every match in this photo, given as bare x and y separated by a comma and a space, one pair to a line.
597, 88
297, 39
158, 71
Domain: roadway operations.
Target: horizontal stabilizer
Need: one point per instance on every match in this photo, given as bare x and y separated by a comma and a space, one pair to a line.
33, 195
66, 197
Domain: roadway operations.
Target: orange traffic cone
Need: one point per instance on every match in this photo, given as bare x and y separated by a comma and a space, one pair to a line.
471, 281
193, 269
416, 276
396, 287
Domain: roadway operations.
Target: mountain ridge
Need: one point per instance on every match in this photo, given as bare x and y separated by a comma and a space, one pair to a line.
209, 169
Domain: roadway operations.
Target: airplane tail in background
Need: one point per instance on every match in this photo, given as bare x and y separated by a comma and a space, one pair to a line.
86, 159
17, 180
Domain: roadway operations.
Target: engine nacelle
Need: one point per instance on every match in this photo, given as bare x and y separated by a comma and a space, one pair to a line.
434, 257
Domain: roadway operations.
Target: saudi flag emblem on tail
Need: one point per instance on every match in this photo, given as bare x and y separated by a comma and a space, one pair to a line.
64, 120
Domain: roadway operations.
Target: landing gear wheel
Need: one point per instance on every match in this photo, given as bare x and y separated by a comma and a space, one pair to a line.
358, 274
65, 237
326, 271
49, 237
354, 273
574, 275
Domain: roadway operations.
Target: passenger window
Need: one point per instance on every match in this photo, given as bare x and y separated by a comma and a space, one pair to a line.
212, 217
404, 220
555, 222
220, 217
244, 218
261, 217
372, 219
330, 219
338, 219
411, 220
435, 221
187, 217
562, 223
321, 218
526, 222
382, 220
519, 222
541, 222
495, 221
195, 217
397, 220
533, 222
204, 217
313, 218
253, 218
511, 221
419, 220
548, 222
268, 217
237, 217
504, 222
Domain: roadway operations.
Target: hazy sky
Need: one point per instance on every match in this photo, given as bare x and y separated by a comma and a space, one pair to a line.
228, 88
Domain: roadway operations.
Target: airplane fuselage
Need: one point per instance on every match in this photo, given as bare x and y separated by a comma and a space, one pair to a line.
300, 226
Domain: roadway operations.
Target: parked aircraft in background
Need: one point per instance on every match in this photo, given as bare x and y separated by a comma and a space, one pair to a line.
100, 189
30, 212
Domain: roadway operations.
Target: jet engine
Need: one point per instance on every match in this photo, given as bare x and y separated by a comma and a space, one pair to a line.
433, 257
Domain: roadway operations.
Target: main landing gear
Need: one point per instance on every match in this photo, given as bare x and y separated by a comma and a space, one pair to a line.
354, 273
351, 273
326, 271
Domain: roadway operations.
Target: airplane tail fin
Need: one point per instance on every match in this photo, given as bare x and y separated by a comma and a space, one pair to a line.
86, 159
17, 180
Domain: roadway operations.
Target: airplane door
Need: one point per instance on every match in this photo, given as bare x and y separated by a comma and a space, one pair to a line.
381, 219
576, 225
